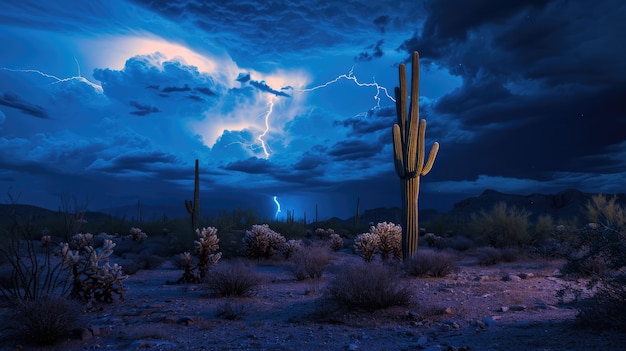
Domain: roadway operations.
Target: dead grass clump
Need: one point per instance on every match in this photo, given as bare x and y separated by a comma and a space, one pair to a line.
430, 263
309, 262
231, 311
233, 279
368, 286
46, 319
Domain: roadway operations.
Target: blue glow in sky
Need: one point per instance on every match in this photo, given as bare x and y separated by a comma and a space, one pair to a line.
114, 100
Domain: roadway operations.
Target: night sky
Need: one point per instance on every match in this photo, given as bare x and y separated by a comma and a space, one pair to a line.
114, 100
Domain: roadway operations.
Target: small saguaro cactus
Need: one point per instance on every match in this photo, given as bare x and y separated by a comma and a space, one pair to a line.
193, 207
408, 153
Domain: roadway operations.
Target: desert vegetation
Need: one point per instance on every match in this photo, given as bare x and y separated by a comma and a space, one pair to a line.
54, 287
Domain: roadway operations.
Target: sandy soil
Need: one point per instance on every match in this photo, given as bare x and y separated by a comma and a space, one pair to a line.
472, 309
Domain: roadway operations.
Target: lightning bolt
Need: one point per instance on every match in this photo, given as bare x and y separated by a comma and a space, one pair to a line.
352, 77
277, 207
58, 80
267, 129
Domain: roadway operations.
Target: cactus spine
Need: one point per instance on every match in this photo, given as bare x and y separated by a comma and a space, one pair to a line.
193, 207
408, 152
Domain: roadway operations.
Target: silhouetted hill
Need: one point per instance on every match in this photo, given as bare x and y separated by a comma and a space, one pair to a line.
565, 204
42, 215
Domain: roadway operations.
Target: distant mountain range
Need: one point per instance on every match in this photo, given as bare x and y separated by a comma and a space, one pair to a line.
565, 204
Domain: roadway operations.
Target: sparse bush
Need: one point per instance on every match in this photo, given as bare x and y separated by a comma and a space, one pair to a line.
430, 263
458, 243
231, 311
261, 242
45, 319
367, 245
309, 262
290, 247
502, 226
368, 286
336, 242
601, 253
233, 279
324, 234
489, 256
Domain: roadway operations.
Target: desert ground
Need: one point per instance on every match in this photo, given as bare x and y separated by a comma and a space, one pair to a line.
508, 306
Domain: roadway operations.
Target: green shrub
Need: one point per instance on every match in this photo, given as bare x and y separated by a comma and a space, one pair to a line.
233, 279
431, 263
502, 226
368, 286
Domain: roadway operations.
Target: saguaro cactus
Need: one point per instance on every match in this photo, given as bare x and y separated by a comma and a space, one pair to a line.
408, 153
193, 207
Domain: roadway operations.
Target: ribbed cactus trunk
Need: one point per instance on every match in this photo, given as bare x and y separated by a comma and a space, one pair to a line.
410, 188
409, 151
193, 208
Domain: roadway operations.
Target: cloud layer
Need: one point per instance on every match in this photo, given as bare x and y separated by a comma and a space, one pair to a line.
280, 100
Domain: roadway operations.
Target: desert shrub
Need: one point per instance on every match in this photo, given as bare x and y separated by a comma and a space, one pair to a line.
489, 256
261, 242
431, 263
233, 279
231, 311
335, 242
601, 253
502, 226
542, 229
368, 286
45, 319
290, 247
366, 245
459, 243
390, 236
309, 262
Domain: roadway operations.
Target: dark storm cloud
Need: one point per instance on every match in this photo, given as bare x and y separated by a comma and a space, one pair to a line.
176, 89
377, 52
370, 124
264, 87
381, 22
309, 162
142, 109
205, 91
252, 165
355, 149
12, 100
541, 92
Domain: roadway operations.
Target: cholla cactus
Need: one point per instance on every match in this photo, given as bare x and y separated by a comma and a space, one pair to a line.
92, 275
46, 240
262, 242
390, 239
367, 245
206, 245
206, 249
138, 235
336, 242
324, 233
290, 247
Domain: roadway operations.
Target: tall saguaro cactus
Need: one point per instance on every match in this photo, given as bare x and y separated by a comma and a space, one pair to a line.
193, 207
408, 153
